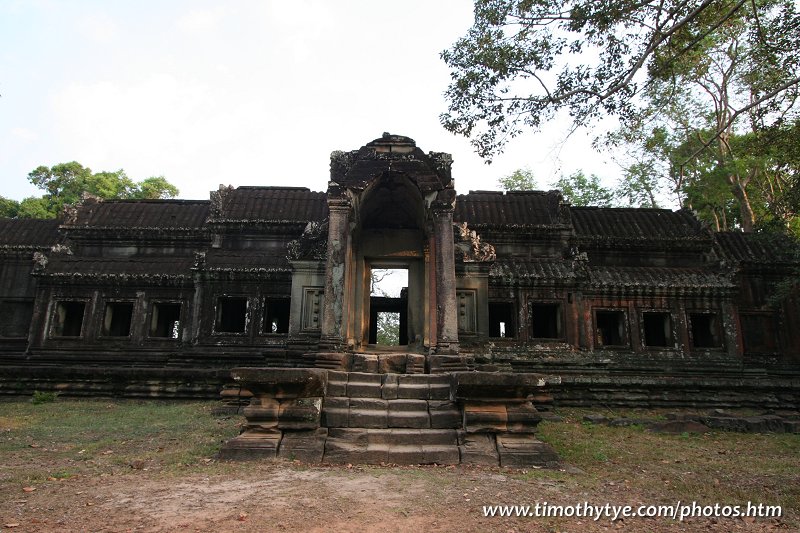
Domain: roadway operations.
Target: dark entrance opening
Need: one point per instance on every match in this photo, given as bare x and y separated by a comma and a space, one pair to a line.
69, 319
231, 315
117, 319
165, 320
501, 320
704, 330
657, 329
610, 328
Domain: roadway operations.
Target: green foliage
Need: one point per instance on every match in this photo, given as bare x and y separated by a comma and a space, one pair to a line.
66, 183
388, 329
523, 62
40, 397
579, 189
520, 180
8, 207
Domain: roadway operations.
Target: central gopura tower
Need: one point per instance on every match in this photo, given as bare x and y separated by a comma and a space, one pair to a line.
391, 205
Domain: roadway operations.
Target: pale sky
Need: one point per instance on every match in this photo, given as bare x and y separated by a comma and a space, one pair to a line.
240, 92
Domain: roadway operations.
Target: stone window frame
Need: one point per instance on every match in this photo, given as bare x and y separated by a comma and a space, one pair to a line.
626, 322
264, 301
32, 303
470, 297
248, 316
103, 307
776, 330
720, 330
675, 333
51, 334
150, 305
562, 318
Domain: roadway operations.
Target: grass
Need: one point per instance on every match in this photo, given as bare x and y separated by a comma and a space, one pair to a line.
67, 438
64, 438
712, 467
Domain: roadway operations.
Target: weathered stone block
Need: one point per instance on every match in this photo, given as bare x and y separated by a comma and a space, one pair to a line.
415, 364
361, 385
392, 363
253, 444
307, 446
337, 384
389, 387
335, 412
522, 418
496, 386
301, 413
408, 414
441, 455
264, 413
478, 449
406, 454
282, 382
520, 450
413, 386
445, 414
368, 413
485, 417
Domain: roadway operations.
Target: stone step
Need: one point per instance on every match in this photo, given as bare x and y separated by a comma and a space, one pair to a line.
399, 413
398, 446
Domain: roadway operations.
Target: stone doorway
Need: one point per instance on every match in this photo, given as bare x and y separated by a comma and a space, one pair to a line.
388, 307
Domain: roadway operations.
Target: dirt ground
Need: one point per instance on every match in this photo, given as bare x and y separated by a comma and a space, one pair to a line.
294, 497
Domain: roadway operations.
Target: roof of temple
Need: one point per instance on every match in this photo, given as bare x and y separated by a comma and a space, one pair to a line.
512, 208
246, 260
756, 247
636, 224
657, 277
271, 204
28, 232
165, 214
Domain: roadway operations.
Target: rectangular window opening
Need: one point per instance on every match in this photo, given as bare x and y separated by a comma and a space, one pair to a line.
501, 320
231, 315
276, 315
15, 318
657, 329
546, 321
610, 328
117, 319
759, 333
165, 320
69, 319
705, 330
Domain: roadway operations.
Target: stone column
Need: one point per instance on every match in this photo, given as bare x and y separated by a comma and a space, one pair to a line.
444, 263
332, 331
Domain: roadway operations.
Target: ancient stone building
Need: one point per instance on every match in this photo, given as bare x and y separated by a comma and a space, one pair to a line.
164, 297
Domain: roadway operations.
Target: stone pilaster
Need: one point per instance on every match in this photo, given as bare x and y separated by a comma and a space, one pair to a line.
332, 330
445, 276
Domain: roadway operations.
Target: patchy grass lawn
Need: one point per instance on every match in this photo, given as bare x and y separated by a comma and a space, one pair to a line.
123, 465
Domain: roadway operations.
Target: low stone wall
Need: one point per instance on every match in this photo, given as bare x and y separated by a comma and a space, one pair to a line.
317, 415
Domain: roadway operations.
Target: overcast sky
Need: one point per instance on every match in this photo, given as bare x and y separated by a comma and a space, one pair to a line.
240, 92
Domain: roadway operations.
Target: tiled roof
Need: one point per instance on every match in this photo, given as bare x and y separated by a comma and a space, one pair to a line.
756, 248
513, 208
636, 223
29, 232
656, 277
187, 214
534, 269
274, 204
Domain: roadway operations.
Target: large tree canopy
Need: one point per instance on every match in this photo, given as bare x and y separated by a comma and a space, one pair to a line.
523, 61
65, 183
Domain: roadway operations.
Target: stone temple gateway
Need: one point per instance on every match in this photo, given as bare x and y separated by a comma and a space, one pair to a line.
514, 300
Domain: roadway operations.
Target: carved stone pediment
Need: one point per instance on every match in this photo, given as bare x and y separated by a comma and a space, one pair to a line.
312, 244
468, 245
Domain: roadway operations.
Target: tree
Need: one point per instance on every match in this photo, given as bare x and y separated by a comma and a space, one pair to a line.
579, 189
524, 61
520, 180
65, 183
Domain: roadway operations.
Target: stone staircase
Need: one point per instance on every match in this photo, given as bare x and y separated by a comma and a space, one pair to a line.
327, 416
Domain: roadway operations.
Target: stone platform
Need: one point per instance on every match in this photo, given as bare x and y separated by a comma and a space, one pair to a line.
326, 416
